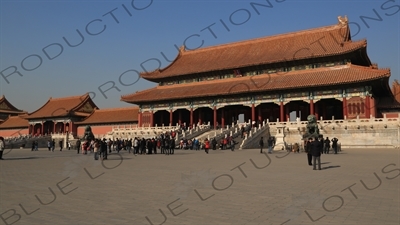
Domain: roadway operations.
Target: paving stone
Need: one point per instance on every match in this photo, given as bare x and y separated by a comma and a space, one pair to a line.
191, 187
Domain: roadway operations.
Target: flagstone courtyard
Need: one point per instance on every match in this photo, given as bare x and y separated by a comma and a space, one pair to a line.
356, 186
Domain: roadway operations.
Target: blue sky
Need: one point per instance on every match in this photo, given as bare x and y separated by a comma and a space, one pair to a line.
125, 34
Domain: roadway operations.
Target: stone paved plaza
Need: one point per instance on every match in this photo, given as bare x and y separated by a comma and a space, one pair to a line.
242, 187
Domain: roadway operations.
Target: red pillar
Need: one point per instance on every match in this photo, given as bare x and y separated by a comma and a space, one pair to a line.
253, 113
180, 117
64, 127
259, 113
42, 129
311, 107
372, 107
281, 113
215, 117
222, 118
171, 118
316, 111
367, 107
140, 119
71, 127
151, 119
191, 117
54, 126
344, 107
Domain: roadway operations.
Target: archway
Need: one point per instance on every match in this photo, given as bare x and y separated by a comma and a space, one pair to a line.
268, 111
298, 109
328, 108
161, 118
181, 116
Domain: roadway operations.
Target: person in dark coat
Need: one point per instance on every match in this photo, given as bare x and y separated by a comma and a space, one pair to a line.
103, 149
261, 144
327, 145
316, 151
172, 146
308, 150
214, 144
334, 144
78, 146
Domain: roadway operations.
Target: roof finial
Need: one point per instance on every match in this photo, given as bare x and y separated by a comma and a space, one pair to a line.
343, 20
182, 49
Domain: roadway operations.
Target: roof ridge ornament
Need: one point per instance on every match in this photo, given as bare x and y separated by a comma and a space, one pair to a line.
343, 20
182, 49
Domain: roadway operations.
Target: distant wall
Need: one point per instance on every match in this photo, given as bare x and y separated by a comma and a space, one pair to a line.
14, 132
356, 133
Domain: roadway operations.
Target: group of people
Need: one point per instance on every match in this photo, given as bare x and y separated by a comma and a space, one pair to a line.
51, 145
226, 142
316, 147
270, 142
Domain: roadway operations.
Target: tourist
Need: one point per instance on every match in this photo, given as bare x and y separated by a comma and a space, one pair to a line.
103, 149
334, 144
109, 145
149, 146
214, 144
308, 150
261, 144
143, 146
33, 146
172, 146
53, 145
206, 145
96, 147
2, 147
316, 151
136, 146
232, 144
225, 143
69, 145
36, 145
49, 145
78, 145
270, 144
60, 143
154, 145
327, 145
166, 145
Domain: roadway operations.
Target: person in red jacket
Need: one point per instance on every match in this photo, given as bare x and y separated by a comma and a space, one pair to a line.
206, 145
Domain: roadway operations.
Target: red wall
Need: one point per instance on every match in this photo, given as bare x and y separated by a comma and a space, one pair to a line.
14, 132
97, 130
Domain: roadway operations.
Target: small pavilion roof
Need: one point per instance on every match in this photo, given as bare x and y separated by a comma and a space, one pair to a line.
312, 78
7, 107
112, 115
14, 122
80, 106
306, 44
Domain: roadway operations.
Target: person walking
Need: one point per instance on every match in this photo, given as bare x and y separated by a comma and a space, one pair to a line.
206, 145
316, 151
60, 143
78, 145
261, 144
